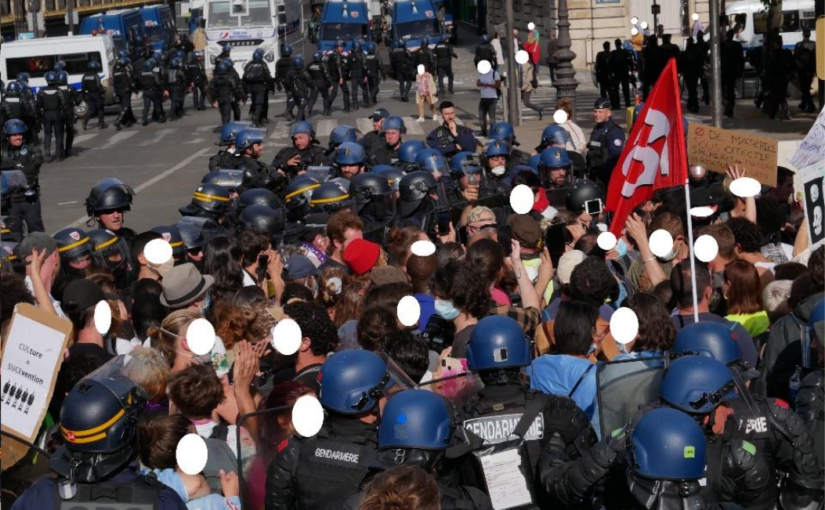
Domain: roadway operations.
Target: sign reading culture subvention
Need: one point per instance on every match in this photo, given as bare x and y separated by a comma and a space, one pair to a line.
31, 358
715, 149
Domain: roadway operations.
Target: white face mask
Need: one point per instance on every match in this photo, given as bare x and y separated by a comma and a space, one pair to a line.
671, 255
499, 170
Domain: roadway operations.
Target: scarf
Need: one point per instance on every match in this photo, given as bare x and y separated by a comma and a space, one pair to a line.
542, 203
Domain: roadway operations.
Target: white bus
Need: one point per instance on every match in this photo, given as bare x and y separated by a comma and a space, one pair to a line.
750, 18
37, 56
247, 25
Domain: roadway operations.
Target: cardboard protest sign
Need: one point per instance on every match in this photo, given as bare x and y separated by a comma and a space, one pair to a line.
715, 149
32, 356
812, 181
812, 148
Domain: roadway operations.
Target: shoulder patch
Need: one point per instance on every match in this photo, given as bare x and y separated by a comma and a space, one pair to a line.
283, 445
781, 403
617, 142
749, 447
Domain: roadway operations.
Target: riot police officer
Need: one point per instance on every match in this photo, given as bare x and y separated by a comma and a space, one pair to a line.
225, 91
255, 173
321, 472
304, 152
374, 70
260, 218
606, 143
70, 99
485, 51
357, 65
393, 174
385, 152
417, 200
407, 153
585, 199
350, 160
298, 86
297, 197
373, 138
18, 155
257, 78
107, 204
177, 88
375, 204
93, 90
554, 169
197, 77
123, 81
810, 400
555, 136
319, 79
96, 468
418, 428
338, 67
50, 104
402, 65
444, 54
151, 81
341, 134
229, 157
210, 201
16, 105
282, 66
75, 249
502, 130
171, 234
329, 197
498, 160
424, 56
259, 196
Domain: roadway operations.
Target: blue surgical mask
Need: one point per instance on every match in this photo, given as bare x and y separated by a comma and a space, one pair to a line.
621, 247
591, 350
445, 309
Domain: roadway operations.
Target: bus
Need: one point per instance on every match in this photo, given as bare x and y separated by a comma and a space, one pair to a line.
124, 26
246, 25
38, 56
159, 25
750, 19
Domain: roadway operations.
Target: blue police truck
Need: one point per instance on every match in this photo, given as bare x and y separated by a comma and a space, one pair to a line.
159, 25
346, 20
412, 20
124, 26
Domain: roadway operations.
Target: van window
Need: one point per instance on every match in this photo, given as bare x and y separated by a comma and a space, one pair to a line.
344, 31
790, 21
220, 17
760, 22
416, 29
259, 14
38, 66
808, 20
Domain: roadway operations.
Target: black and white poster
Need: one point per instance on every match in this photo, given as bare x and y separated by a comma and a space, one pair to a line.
812, 181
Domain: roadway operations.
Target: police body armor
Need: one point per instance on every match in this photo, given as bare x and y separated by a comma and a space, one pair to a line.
141, 494
442, 54
223, 85
318, 74
196, 72
50, 99
356, 62
282, 67
254, 73
148, 81
91, 83
338, 66
597, 154
122, 79
400, 61
26, 159
372, 65
13, 107
810, 406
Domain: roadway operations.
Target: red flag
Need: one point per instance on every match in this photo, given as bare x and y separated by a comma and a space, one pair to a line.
654, 156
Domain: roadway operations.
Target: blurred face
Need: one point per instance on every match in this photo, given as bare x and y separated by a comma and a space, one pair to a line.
301, 141
255, 150
601, 115
376, 124
16, 140
392, 136
448, 114
558, 176
350, 171
497, 161
113, 220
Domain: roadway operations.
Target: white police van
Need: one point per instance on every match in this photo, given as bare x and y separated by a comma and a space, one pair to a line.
750, 19
38, 56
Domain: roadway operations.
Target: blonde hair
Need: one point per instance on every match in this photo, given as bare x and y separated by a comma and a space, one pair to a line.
478, 212
149, 370
775, 297
165, 337
402, 488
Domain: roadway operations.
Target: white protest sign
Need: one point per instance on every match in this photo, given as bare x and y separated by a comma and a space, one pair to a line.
31, 358
812, 149
814, 200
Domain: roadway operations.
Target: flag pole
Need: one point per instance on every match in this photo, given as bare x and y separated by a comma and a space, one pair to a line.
690, 252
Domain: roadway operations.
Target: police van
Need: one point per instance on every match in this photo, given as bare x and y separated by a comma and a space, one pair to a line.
124, 26
750, 20
38, 56
412, 20
160, 26
345, 20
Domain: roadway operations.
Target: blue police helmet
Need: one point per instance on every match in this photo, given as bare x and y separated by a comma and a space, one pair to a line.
63, 77
498, 342
298, 61
150, 64
14, 87
23, 77
122, 54
224, 49
667, 444
497, 148
126, 60
14, 127
339, 43
535, 159
394, 122
59, 66
431, 160
223, 66
356, 45
258, 55
554, 134
696, 384
180, 54
342, 134
425, 41
175, 63
710, 339
318, 56
249, 137
416, 419
409, 149
352, 382
286, 50
502, 131
94, 65
51, 77
553, 157
302, 127
460, 164
485, 38
349, 153
371, 47
399, 44
229, 132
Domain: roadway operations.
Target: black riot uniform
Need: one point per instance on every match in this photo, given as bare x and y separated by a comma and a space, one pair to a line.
177, 82
298, 86
604, 149
93, 90
25, 203
197, 77
485, 51
123, 81
226, 159
70, 98
401, 64
311, 156
225, 91
319, 79
151, 81
374, 69
444, 54
16, 105
51, 105
424, 56
338, 67
357, 68
257, 79
810, 406
282, 67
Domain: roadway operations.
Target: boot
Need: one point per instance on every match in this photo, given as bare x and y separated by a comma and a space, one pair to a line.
101, 125
85, 125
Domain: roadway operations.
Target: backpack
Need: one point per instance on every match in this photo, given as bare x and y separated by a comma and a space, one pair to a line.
221, 457
254, 73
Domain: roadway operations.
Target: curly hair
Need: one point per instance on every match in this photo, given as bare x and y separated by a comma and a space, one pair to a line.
158, 440
315, 324
402, 488
236, 323
747, 235
350, 302
656, 330
399, 245
373, 327
458, 282
592, 281
13, 291
196, 391
331, 285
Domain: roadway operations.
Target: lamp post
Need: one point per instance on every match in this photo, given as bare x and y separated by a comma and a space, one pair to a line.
565, 82
512, 76
715, 66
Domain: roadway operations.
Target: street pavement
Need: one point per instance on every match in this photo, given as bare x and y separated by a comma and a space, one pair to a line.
165, 162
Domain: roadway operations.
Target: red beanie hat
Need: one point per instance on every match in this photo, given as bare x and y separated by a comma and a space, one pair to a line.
361, 255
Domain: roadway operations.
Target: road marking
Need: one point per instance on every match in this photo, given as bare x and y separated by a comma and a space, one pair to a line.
117, 138
325, 127
195, 141
413, 126
83, 138
281, 130
150, 182
158, 136
364, 126
201, 129
67, 203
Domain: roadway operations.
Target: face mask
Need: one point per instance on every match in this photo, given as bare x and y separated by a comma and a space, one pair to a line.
671, 255
445, 309
621, 248
718, 279
498, 170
